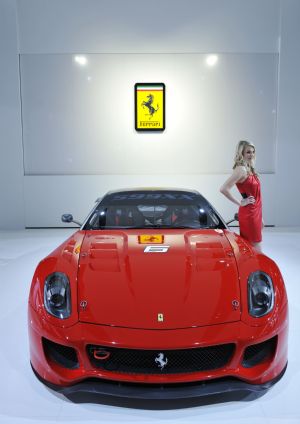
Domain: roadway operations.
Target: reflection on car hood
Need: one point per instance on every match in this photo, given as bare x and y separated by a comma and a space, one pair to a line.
191, 281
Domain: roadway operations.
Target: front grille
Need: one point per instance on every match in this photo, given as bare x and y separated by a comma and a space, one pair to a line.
64, 356
138, 361
257, 353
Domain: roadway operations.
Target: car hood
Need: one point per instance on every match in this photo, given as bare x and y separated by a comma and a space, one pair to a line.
191, 281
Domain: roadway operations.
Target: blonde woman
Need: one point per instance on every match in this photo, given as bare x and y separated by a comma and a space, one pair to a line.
248, 184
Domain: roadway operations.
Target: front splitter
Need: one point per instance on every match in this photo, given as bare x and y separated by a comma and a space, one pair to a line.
95, 386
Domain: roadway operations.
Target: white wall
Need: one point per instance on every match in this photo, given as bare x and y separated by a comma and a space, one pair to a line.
156, 26
79, 119
193, 26
287, 178
11, 155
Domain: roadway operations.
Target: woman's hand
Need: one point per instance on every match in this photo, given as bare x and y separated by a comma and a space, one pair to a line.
248, 201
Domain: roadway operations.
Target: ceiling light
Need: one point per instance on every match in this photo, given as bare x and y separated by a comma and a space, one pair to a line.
212, 60
81, 60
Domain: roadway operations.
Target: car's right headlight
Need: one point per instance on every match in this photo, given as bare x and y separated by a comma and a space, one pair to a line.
260, 294
57, 295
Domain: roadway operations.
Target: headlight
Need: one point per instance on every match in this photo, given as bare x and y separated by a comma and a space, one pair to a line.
260, 294
57, 295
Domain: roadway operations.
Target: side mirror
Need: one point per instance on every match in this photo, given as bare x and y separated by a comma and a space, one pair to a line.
235, 218
68, 217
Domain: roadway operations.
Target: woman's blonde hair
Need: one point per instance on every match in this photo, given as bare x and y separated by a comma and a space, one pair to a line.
239, 158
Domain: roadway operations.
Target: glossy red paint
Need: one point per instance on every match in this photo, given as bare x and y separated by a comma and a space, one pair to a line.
79, 335
193, 284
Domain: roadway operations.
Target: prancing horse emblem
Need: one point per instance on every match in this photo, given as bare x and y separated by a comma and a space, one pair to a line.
160, 361
148, 104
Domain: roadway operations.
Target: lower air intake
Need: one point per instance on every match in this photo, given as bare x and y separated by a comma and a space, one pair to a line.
64, 356
257, 353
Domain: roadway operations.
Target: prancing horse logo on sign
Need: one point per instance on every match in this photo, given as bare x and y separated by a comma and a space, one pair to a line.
160, 360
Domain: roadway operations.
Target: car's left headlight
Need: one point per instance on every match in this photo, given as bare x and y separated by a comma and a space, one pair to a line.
57, 295
260, 294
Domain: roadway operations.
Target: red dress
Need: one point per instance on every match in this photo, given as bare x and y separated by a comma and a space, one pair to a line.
250, 216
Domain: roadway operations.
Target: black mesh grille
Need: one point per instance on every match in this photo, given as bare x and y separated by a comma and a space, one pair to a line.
137, 361
255, 354
63, 355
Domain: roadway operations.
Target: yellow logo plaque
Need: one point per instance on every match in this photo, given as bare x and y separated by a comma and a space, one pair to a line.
151, 238
160, 317
149, 106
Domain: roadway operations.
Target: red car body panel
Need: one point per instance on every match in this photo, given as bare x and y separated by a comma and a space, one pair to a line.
78, 335
193, 284
199, 286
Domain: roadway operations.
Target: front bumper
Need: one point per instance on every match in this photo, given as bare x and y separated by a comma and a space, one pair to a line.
160, 391
88, 379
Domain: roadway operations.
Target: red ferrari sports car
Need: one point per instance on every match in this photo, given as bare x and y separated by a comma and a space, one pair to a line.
154, 297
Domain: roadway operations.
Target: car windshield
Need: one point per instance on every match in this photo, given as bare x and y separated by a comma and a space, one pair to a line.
153, 209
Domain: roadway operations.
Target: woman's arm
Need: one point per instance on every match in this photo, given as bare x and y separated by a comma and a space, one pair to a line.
239, 174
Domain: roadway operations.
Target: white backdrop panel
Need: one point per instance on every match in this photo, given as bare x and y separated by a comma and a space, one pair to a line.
80, 119
160, 26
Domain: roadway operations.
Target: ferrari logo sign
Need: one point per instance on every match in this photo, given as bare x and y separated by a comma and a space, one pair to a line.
160, 317
149, 106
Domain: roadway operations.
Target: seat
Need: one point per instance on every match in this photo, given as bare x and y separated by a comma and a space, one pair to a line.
134, 217
186, 216
115, 216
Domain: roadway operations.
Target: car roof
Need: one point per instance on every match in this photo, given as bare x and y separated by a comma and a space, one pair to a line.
139, 189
